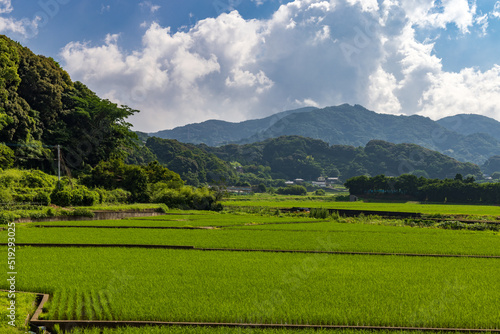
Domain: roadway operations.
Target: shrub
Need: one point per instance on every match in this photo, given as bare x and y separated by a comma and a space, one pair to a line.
320, 192
186, 198
61, 197
114, 196
452, 225
78, 197
5, 196
84, 197
292, 190
342, 198
7, 217
36, 179
43, 198
320, 213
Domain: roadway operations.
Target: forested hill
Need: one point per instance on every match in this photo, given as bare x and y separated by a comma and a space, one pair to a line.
291, 157
355, 125
41, 107
215, 132
468, 124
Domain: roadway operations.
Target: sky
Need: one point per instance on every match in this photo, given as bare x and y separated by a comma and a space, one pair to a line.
187, 61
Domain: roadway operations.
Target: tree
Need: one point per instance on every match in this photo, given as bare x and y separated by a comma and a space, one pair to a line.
261, 188
158, 173
6, 157
292, 190
320, 192
358, 185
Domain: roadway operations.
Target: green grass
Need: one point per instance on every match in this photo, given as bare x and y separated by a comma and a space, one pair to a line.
324, 236
228, 330
448, 209
121, 207
187, 220
176, 285
24, 306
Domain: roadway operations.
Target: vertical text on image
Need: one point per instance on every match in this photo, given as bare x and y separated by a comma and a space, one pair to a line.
11, 273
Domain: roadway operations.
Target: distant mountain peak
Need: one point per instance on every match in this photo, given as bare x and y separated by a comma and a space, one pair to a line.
471, 138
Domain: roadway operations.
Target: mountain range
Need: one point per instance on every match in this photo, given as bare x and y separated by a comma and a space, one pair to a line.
468, 138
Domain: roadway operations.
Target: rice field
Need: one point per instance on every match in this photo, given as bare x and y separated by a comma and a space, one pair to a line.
178, 285
444, 209
260, 287
187, 220
228, 330
319, 236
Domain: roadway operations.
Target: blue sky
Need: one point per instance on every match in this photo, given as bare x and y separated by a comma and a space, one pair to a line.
185, 61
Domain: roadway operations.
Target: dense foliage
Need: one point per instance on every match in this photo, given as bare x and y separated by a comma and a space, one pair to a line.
26, 186
492, 165
291, 157
457, 190
292, 190
195, 165
468, 124
41, 107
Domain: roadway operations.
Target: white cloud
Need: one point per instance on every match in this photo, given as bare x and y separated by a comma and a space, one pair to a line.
150, 6
482, 22
430, 13
5, 6
105, 8
496, 10
24, 27
310, 52
381, 92
307, 103
366, 5
468, 91
245, 79
259, 2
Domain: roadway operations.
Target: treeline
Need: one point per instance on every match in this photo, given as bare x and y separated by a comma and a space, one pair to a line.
274, 161
457, 190
40, 107
291, 157
110, 182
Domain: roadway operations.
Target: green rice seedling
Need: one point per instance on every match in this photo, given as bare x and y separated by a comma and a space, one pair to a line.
320, 236
437, 210
178, 285
103, 302
96, 305
71, 304
88, 305
80, 305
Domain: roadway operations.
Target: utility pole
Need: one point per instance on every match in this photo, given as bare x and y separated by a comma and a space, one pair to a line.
59, 163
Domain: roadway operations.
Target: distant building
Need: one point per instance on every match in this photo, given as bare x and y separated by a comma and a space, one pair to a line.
332, 180
239, 190
321, 184
298, 181
321, 179
289, 183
